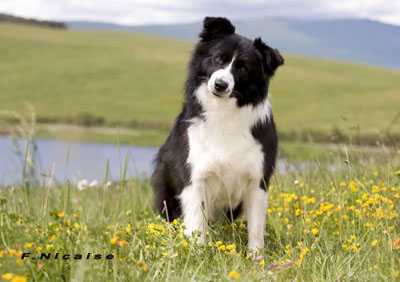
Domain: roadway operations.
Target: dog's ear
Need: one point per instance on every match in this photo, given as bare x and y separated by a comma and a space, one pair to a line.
271, 57
216, 28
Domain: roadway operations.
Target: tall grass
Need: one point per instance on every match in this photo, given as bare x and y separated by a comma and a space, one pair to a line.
322, 226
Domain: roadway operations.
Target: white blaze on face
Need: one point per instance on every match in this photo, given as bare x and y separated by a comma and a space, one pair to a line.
226, 76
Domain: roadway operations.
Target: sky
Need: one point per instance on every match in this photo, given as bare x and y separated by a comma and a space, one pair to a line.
140, 12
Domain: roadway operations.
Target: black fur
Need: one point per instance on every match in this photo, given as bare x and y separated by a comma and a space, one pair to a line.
253, 67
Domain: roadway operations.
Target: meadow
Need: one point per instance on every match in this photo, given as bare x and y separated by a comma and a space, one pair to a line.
337, 220
322, 226
135, 81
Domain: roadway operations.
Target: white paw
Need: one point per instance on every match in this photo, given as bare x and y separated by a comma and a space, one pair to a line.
195, 236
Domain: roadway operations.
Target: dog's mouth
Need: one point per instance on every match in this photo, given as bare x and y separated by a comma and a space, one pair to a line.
220, 94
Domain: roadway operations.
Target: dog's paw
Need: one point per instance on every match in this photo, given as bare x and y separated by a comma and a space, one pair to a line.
195, 236
255, 255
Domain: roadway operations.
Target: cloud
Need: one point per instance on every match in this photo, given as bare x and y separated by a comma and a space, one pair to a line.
175, 11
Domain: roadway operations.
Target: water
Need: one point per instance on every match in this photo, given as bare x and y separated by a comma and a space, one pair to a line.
74, 161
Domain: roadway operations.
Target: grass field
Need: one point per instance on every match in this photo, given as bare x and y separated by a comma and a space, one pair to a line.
136, 81
322, 226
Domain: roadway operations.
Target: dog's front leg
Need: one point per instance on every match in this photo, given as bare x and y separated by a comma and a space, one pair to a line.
255, 206
194, 210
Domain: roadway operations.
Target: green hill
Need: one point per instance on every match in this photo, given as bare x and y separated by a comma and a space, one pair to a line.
134, 80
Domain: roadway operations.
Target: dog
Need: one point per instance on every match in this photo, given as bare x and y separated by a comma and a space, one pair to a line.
221, 151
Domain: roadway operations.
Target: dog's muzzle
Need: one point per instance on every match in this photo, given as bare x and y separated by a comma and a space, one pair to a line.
221, 83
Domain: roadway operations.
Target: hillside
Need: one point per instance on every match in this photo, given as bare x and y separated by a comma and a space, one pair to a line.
354, 40
6, 18
135, 80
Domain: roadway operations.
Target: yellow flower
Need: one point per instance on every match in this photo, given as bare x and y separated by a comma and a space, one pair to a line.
128, 228
184, 243
303, 252
218, 243
114, 240
60, 214
17, 278
315, 231
396, 244
28, 245
122, 243
353, 186
374, 243
222, 248
143, 266
234, 275
7, 276
231, 247
262, 263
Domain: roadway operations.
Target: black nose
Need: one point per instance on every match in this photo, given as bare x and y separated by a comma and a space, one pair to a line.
220, 85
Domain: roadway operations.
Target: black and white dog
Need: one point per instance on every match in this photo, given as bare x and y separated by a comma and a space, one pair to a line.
221, 152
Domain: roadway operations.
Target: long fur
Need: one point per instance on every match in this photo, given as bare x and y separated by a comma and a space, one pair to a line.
221, 152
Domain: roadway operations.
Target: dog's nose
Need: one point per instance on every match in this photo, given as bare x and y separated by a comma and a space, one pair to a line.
220, 85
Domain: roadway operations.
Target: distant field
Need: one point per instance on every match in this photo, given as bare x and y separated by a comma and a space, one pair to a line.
115, 78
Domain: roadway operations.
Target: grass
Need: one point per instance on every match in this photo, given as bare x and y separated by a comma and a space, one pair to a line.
322, 226
133, 80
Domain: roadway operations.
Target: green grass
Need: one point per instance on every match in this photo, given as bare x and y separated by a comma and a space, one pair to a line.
136, 81
322, 226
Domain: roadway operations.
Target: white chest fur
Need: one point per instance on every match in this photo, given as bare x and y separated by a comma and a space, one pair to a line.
222, 151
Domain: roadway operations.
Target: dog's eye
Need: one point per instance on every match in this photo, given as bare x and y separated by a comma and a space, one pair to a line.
240, 66
218, 60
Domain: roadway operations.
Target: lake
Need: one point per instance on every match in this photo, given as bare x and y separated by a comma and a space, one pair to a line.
75, 161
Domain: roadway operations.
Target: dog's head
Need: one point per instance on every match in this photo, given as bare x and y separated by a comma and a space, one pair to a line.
233, 66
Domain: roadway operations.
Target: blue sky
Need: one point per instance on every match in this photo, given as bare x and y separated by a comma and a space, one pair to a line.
139, 12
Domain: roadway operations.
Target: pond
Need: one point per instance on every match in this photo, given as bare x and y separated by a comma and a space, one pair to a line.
77, 161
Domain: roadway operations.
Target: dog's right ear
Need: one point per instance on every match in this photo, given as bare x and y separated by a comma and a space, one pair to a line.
216, 28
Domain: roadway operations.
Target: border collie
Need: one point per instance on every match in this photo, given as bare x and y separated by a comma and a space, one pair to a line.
221, 152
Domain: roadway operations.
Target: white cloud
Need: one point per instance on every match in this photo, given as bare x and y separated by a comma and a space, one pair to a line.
173, 11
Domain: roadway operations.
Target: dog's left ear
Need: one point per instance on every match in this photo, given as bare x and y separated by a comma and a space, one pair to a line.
272, 59
216, 28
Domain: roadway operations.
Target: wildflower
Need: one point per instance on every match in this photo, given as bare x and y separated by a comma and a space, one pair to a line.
82, 184
18, 278
308, 200
303, 252
184, 244
374, 243
128, 228
396, 244
231, 248
122, 243
114, 240
234, 275
7, 276
218, 243
262, 263
141, 264
155, 229
94, 183
221, 248
60, 214
315, 231
353, 186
